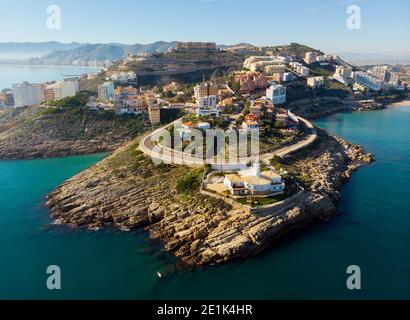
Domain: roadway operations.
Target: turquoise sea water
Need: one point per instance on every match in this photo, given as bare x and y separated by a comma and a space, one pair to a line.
10, 74
372, 232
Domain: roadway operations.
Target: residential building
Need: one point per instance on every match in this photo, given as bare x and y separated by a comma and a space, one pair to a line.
256, 109
287, 77
205, 90
254, 59
343, 74
277, 94
154, 113
207, 102
303, 71
315, 82
196, 45
251, 81
295, 64
106, 91
207, 106
381, 73
366, 80
271, 69
250, 125
28, 94
118, 76
61, 90
310, 57
276, 77
7, 98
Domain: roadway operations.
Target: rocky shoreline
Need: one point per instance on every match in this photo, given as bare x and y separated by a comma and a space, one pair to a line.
128, 192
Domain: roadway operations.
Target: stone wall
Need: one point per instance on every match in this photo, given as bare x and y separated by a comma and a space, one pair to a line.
279, 207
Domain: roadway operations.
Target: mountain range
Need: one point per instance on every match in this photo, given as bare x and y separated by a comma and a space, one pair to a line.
56, 53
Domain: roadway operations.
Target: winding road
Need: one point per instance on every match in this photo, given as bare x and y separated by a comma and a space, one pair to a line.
149, 146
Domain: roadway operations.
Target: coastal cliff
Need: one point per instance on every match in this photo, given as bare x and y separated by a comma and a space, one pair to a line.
128, 191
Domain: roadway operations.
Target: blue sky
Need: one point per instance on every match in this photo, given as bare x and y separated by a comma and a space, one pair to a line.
319, 23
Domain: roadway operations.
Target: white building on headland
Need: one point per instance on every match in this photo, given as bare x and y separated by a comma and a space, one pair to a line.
28, 94
277, 94
106, 91
254, 182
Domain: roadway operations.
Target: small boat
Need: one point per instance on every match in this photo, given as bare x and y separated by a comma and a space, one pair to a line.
159, 275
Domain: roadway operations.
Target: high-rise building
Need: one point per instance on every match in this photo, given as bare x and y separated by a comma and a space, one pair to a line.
106, 91
380, 72
61, 90
154, 114
310, 57
206, 90
207, 106
315, 82
28, 94
277, 94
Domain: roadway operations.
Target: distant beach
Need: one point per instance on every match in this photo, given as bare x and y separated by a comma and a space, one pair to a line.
405, 103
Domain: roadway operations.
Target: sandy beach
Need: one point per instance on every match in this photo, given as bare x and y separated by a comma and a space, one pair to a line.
400, 104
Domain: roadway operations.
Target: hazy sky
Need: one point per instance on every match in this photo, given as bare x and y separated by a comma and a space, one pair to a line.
319, 23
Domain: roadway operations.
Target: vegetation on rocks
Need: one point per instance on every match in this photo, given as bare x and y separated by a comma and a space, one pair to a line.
65, 128
190, 182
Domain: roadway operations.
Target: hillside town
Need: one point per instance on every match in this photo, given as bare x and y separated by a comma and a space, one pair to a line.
263, 78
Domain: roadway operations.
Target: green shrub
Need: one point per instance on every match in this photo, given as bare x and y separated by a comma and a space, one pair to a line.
190, 182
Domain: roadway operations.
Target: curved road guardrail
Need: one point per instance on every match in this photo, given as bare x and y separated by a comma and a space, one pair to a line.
149, 146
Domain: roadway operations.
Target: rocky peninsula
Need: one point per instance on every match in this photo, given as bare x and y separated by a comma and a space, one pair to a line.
128, 191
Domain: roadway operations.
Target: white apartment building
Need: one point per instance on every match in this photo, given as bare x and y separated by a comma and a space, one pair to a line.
279, 68
294, 65
315, 82
61, 90
303, 71
207, 106
28, 94
277, 94
343, 75
123, 76
310, 57
251, 60
206, 102
367, 80
106, 91
380, 72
